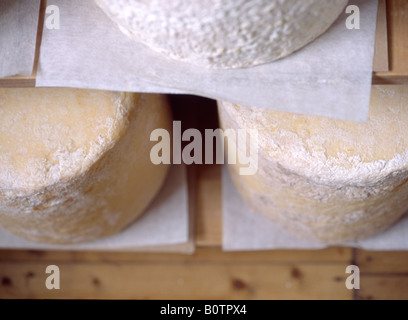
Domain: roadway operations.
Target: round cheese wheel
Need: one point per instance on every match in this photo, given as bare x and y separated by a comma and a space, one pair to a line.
75, 164
224, 33
328, 180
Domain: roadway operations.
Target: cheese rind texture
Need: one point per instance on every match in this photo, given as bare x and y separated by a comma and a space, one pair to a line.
222, 34
328, 180
75, 164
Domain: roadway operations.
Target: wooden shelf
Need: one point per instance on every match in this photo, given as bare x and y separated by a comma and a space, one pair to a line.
210, 273
207, 274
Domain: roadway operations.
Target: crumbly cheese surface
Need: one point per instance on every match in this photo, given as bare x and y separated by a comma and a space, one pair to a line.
74, 164
47, 135
326, 179
334, 151
224, 33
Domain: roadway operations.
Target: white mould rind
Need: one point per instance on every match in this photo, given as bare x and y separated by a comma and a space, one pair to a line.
224, 33
328, 180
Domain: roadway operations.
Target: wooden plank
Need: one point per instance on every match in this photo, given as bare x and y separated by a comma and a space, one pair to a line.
18, 82
41, 18
382, 262
209, 206
341, 256
178, 281
397, 12
384, 275
382, 287
381, 58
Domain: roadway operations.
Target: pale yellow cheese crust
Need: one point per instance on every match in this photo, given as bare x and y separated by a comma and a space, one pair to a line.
328, 180
75, 164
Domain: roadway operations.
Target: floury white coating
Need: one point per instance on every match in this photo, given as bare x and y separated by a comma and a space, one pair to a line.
224, 33
333, 152
74, 165
328, 180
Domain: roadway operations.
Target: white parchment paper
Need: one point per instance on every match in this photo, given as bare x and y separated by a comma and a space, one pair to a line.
18, 35
244, 230
165, 223
330, 77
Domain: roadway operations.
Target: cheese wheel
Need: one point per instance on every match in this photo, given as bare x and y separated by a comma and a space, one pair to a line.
75, 164
328, 180
224, 33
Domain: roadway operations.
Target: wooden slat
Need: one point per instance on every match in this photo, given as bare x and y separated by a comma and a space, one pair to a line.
176, 281
342, 256
208, 274
382, 262
40, 28
18, 82
209, 206
381, 58
384, 275
397, 13
382, 287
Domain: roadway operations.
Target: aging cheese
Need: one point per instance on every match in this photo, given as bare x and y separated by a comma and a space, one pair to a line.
74, 164
328, 180
224, 33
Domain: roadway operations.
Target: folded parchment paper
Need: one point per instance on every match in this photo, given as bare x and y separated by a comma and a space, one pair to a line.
163, 227
244, 230
330, 77
18, 35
